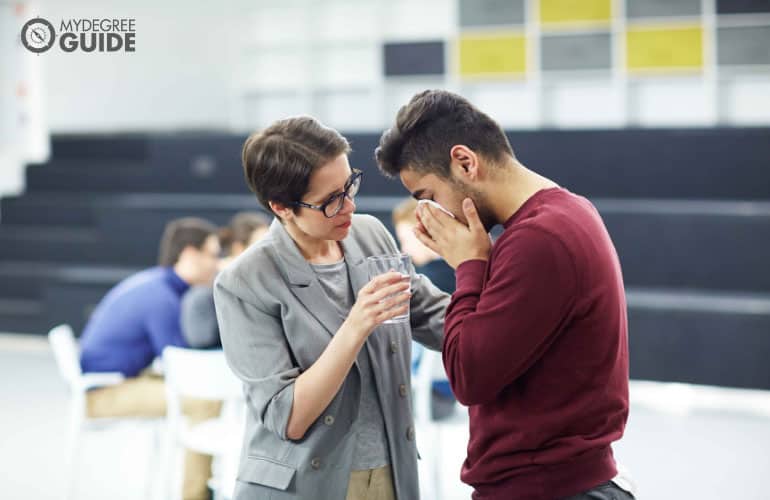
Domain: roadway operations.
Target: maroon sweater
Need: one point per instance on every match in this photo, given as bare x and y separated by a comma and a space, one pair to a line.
536, 345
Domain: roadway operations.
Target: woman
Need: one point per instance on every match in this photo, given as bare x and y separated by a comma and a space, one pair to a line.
327, 384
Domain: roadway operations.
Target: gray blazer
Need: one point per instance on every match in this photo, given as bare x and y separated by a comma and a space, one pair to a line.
275, 321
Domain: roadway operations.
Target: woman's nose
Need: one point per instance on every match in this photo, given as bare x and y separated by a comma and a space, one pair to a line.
349, 205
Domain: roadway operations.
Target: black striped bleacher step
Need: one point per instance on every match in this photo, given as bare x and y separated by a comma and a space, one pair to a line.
113, 147
678, 243
691, 244
61, 244
726, 163
670, 198
707, 163
700, 337
49, 209
28, 279
684, 336
38, 295
24, 279
710, 244
141, 178
22, 316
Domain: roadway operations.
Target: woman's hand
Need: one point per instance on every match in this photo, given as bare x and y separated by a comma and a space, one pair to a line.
315, 388
383, 298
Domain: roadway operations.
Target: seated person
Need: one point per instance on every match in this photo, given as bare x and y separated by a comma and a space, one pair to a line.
429, 263
136, 320
198, 317
244, 229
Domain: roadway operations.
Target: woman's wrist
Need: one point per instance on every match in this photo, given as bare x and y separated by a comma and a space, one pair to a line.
350, 329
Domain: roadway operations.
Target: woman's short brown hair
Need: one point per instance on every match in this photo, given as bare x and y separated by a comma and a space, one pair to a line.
279, 160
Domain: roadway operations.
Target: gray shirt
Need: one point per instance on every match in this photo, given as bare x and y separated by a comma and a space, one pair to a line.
371, 444
198, 318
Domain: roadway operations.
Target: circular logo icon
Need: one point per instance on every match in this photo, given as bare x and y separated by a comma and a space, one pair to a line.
38, 35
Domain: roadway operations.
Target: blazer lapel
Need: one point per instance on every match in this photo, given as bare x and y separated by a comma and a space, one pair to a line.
303, 281
356, 263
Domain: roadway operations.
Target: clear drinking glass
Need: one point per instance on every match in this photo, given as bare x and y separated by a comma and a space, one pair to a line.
382, 264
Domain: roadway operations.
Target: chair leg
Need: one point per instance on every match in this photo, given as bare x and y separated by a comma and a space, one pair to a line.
172, 486
155, 464
74, 450
436, 472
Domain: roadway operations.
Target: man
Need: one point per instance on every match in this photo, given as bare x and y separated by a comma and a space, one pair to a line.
536, 332
136, 320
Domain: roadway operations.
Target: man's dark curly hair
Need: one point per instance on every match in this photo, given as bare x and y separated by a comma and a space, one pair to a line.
429, 126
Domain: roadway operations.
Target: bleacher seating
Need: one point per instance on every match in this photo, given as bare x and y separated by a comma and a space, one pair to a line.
688, 210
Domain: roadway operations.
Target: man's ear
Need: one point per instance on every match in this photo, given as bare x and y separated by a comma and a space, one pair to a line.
281, 210
464, 162
187, 252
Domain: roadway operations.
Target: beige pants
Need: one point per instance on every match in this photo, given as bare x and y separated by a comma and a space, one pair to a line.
145, 396
373, 484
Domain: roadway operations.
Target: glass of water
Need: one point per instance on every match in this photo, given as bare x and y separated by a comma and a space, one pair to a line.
382, 264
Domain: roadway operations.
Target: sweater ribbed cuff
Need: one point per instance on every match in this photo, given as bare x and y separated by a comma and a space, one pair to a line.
470, 275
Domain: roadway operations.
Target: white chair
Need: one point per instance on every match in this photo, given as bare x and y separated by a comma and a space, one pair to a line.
203, 374
67, 355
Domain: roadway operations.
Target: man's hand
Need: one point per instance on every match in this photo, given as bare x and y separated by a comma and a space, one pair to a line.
451, 239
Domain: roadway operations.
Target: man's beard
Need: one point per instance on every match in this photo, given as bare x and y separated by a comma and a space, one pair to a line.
479, 200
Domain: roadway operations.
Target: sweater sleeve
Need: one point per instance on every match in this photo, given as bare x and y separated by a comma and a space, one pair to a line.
163, 325
498, 326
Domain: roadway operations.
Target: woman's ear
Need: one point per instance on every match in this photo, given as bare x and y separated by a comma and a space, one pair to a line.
464, 162
281, 210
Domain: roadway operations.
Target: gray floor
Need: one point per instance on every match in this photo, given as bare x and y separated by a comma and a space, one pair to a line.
681, 442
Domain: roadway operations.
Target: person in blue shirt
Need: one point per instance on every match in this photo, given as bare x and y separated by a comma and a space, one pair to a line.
136, 320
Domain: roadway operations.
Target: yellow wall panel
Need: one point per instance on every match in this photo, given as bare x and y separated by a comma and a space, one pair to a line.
493, 55
663, 48
563, 11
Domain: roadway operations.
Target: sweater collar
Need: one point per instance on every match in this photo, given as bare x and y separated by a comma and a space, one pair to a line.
524, 208
176, 282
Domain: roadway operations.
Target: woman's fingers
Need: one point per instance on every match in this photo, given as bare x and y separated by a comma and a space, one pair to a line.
385, 297
383, 293
381, 280
392, 308
389, 303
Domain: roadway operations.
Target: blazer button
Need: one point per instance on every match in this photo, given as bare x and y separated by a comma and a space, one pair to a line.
329, 419
402, 390
393, 346
315, 463
410, 433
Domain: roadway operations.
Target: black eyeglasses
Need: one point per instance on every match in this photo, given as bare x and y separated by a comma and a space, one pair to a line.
334, 204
